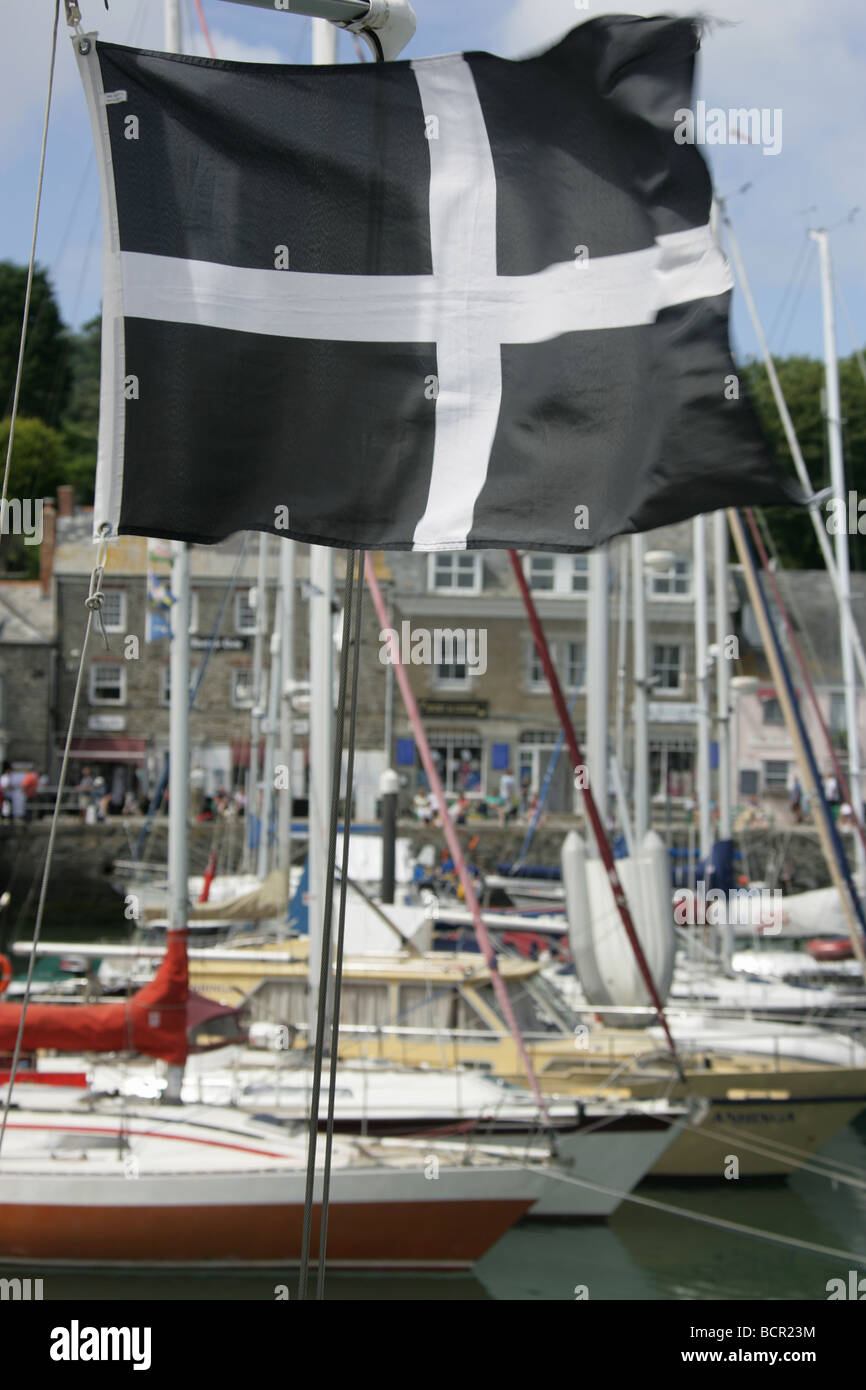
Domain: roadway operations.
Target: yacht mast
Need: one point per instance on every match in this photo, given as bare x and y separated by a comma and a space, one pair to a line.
837, 479
179, 673
321, 688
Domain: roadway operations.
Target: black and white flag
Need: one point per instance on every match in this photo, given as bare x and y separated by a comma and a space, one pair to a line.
456, 302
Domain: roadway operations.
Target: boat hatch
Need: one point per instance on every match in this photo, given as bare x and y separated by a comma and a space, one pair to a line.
70, 1144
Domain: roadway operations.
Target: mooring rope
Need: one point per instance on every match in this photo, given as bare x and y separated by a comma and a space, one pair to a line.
738, 1227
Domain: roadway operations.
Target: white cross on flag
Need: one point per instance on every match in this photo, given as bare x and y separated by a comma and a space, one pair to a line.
456, 302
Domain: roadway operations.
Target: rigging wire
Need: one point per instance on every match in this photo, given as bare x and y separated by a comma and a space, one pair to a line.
804, 273
341, 922
855, 804
328, 915
722, 1223
803, 252
858, 351
834, 1171
29, 289
93, 602
197, 5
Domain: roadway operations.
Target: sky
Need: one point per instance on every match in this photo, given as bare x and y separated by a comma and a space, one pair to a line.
804, 59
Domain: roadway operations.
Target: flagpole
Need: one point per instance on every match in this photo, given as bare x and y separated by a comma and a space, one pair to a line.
621, 650
843, 569
723, 707
256, 711
270, 726
640, 711
178, 716
599, 677
287, 663
702, 689
321, 689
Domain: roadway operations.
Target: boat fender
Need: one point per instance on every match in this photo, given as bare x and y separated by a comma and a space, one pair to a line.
5, 973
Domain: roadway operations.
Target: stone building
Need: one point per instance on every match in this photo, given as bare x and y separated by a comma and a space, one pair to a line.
485, 703
765, 753
28, 664
122, 732
482, 721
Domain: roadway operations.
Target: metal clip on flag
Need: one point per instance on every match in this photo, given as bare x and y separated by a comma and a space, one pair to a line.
387, 25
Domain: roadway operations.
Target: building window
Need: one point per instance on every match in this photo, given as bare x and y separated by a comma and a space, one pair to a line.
114, 610
672, 768
458, 759
775, 777
667, 663
557, 574
579, 574
107, 683
452, 571
772, 712
838, 715
675, 582
535, 677
245, 614
242, 687
165, 683
542, 574
452, 673
575, 661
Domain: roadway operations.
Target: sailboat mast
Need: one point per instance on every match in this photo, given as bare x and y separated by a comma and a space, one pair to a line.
837, 480
723, 672
321, 688
171, 25
702, 689
257, 711
179, 673
598, 677
178, 767
271, 728
637, 545
287, 667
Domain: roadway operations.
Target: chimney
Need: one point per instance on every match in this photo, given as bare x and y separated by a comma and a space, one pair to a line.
46, 550
65, 494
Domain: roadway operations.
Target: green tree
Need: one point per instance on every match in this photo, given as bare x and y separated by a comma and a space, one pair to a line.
37, 466
802, 382
81, 420
45, 380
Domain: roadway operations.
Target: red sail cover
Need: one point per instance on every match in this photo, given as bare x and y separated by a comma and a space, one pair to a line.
152, 1022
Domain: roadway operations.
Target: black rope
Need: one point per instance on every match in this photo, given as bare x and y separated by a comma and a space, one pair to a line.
341, 926
325, 958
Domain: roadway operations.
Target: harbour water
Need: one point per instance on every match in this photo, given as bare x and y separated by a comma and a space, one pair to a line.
641, 1254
